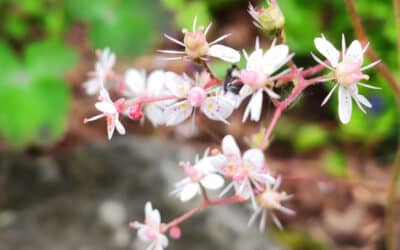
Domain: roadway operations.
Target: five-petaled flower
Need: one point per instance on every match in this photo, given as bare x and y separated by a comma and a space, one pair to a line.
347, 73
197, 47
200, 175
268, 201
191, 95
111, 111
139, 87
257, 76
105, 63
248, 172
152, 229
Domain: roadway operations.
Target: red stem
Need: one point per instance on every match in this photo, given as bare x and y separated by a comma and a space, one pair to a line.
202, 206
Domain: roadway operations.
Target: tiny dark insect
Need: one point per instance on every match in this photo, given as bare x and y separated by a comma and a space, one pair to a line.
231, 81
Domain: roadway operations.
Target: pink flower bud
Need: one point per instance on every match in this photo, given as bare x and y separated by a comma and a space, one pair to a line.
175, 232
196, 44
135, 112
196, 96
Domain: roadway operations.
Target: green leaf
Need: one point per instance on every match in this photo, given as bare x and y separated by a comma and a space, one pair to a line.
185, 17
49, 58
10, 66
310, 136
34, 113
335, 163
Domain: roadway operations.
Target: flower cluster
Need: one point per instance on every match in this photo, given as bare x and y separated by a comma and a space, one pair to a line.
167, 99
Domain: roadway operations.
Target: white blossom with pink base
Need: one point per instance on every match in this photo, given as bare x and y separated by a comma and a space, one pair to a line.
257, 76
248, 172
200, 175
151, 230
105, 63
138, 86
192, 95
268, 201
347, 73
110, 110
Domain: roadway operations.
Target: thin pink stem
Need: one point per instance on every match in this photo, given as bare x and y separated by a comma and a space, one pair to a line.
207, 203
281, 106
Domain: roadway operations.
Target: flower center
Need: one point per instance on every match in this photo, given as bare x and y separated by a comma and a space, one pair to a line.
196, 96
349, 73
255, 80
194, 174
269, 199
196, 44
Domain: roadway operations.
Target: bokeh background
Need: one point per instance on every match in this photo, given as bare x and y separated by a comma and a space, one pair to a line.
47, 48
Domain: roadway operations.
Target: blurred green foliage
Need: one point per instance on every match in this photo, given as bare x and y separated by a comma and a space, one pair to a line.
35, 98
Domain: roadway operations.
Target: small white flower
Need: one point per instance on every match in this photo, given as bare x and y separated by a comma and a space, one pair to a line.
248, 172
268, 201
105, 63
257, 76
151, 230
201, 173
111, 111
347, 73
197, 47
138, 86
192, 95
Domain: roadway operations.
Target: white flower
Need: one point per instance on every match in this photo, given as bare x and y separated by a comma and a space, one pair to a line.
197, 47
347, 72
151, 230
268, 201
105, 63
257, 76
201, 173
192, 95
248, 172
111, 111
138, 86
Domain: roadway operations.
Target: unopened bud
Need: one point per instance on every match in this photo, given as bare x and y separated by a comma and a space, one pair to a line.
175, 232
196, 45
270, 19
135, 112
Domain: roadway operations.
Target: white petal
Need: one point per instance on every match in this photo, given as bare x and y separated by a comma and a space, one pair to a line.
274, 58
245, 91
229, 147
217, 108
148, 209
189, 191
329, 95
106, 107
225, 53
212, 181
135, 81
155, 114
120, 127
271, 93
177, 113
328, 50
368, 86
256, 105
92, 86
254, 156
364, 101
178, 85
110, 126
155, 82
354, 53
255, 61
345, 104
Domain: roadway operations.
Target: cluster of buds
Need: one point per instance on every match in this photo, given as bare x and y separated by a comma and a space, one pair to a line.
167, 98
